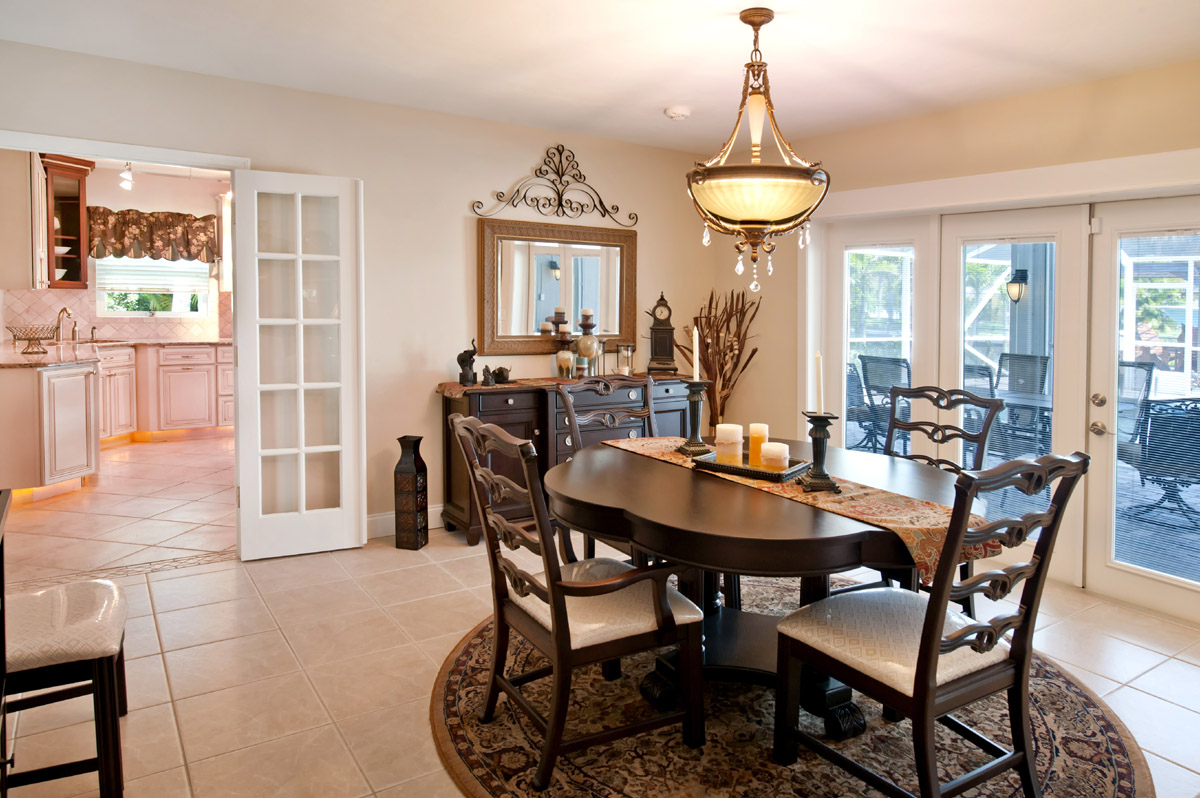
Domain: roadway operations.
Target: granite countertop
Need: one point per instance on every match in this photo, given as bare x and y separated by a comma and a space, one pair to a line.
83, 351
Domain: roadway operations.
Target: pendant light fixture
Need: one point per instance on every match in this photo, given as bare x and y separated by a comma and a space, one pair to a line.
126, 176
756, 201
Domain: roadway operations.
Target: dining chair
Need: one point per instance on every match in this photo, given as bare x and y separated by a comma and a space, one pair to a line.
979, 379
1164, 452
1023, 429
575, 612
912, 653
592, 418
879, 374
1134, 379
858, 411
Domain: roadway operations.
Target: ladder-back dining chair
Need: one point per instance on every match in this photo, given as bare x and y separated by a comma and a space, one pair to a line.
575, 612
879, 374
916, 656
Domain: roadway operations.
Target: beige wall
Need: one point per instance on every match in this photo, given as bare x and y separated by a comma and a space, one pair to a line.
16, 230
421, 171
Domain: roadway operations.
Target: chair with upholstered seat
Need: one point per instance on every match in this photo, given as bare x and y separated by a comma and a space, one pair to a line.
70, 637
913, 654
575, 612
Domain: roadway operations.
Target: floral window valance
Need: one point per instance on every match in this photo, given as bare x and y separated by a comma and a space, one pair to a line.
160, 235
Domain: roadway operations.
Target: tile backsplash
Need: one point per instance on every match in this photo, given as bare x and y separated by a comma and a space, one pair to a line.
33, 307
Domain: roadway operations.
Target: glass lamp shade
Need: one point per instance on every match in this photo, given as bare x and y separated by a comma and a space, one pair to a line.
767, 196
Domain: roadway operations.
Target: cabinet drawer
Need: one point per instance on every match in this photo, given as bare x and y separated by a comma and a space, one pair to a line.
224, 354
120, 356
225, 379
623, 396
185, 355
564, 444
671, 390
492, 402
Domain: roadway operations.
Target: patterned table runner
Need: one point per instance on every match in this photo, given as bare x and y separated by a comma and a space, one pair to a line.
920, 524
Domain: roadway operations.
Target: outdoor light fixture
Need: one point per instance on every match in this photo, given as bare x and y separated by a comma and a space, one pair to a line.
555, 270
756, 201
1017, 285
126, 176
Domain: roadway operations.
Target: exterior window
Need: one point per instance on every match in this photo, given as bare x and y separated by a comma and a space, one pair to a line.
144, 286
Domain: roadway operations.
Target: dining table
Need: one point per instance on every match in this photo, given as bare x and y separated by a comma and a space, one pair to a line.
693, 518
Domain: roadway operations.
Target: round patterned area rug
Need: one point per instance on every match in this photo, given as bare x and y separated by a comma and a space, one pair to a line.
1083, 750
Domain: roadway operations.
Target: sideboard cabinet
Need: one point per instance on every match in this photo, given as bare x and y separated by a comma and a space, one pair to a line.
532, 409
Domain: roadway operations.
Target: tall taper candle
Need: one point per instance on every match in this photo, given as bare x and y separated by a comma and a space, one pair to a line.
820, 386
695, 353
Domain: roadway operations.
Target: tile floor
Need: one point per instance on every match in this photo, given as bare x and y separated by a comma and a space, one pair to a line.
311, 676
150, 502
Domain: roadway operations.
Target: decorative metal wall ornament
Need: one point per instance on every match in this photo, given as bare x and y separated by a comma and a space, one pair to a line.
557, 188
756, 201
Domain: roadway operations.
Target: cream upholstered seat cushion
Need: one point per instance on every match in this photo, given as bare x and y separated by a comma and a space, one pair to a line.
64, 623
599, 619
878, 633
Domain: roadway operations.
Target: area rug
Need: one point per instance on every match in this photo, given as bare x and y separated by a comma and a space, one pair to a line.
1082, 749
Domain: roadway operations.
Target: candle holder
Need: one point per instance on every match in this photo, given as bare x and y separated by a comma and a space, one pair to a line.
694, 446
816, 479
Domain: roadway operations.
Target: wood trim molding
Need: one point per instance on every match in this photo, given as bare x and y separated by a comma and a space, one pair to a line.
491, 231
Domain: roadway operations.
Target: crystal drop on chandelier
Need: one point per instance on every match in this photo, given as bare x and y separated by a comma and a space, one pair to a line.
740, 267
770, 266
755, 287
706, 238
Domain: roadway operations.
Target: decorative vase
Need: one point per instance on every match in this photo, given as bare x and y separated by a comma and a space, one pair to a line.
412, 495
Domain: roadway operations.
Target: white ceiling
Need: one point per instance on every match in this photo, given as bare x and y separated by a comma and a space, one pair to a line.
609, 67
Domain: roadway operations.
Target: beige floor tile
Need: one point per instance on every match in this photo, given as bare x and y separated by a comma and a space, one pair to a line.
392, 745
146, 682
167, 784
80, 501
1136, 627
228, 663
227, 496
451, 545
1082, 645
141, 637
378, 555
195, 513
359, 685
143, 506
435, 785
62, 524
1190, 654
147, 531
238, 717
1098, 684
209, 623
285, 573
222, 479
1172, 781
1063, 601
438, 648
440, 615
311, 764
150, 554
207, 537
227, 520
393, 587
15, 573
343, 636
87, 555
195, 570
316, 602
163, 471
126, 485
150, 741
209, 588
188, 491
1160, 727
54, 747
36, 550
58, 715
138, 597
470, 571
130, 581
1176, 681
484, 594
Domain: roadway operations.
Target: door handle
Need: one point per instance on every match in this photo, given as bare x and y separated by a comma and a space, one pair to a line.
1098, 428
1099, 399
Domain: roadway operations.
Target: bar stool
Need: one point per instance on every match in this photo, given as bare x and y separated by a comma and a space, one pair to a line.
71, 637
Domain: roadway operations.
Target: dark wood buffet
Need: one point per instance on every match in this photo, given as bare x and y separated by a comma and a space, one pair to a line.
532, 409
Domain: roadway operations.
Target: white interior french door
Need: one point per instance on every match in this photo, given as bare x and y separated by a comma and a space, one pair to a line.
298, 312
1143, 510
1033, 352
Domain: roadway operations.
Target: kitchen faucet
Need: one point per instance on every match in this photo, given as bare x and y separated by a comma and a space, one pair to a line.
58, 326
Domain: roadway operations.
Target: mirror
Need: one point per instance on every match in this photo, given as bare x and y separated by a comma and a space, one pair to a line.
527, 269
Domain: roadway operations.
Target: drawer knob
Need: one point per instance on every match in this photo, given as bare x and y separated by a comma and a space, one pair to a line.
633, 394
633, 433
568, 442
509, 401
667, 390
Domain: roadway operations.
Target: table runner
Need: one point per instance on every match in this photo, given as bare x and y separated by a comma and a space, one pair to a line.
920, 524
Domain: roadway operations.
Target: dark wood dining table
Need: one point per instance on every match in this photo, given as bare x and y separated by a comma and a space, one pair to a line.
718, 526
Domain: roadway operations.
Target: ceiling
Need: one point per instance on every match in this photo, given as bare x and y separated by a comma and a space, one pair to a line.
610, 67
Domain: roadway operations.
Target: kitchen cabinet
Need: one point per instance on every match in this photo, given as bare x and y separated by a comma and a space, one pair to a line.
186, 386
225, 386
187, 397
50, 426
67, 219
118, 392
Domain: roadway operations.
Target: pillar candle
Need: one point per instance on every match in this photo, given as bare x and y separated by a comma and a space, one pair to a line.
560, 309
695, 353
587, 312
820, 387
564, 328
547, 327
729, 432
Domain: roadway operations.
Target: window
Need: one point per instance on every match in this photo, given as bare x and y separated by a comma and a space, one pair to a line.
140, 286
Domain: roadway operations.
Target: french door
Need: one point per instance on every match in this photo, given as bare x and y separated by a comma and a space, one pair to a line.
1143, 510
298, 283
1014, 302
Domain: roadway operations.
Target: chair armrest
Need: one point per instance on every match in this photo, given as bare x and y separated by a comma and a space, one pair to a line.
657, 575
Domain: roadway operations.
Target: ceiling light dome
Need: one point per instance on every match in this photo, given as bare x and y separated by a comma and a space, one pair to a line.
756, 201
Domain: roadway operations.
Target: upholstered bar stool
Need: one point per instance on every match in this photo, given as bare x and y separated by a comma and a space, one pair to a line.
71, 637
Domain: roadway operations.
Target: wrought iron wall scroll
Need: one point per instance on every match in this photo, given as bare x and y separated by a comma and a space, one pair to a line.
557, 188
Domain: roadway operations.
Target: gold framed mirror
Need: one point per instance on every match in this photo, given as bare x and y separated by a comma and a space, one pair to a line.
529, 269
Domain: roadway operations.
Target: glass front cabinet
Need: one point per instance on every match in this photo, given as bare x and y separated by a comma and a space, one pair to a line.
67, 221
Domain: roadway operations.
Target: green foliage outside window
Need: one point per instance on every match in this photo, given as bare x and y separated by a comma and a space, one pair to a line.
157, 303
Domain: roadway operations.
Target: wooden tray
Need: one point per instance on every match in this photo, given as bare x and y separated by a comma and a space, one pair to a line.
708, 462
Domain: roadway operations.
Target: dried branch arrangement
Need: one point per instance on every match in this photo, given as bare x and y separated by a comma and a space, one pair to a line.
724, 325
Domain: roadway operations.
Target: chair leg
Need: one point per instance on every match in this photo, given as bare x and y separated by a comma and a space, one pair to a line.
589, 547
731, 588
610, 669
965, 571
691, 663
499, 657
556, 721
105, 702
787, 703
1022, 736
122, 693
925, 747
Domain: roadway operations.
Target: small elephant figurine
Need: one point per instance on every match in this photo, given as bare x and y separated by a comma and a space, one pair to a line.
488, 377
466, 365
501, 375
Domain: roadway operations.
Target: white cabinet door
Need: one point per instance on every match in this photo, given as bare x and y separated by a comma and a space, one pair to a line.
70, 431
186, 396
224, 379
299, 337
103, 419
122, 401
225, 411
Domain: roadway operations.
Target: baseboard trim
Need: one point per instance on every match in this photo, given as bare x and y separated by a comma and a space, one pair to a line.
383, 525
169, 435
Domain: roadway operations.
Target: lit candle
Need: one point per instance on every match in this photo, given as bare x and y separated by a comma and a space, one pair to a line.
695, 354
820, 387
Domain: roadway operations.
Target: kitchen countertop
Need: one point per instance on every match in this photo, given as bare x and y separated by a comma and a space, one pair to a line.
70, 352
